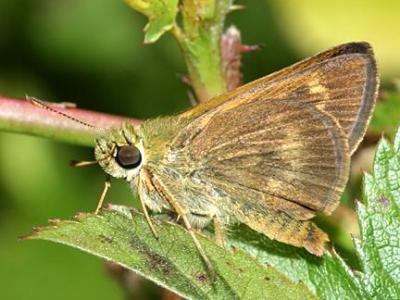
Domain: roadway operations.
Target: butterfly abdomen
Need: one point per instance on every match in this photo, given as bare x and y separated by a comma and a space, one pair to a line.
281, 227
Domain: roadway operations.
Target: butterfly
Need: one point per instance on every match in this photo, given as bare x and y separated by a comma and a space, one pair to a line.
270, 154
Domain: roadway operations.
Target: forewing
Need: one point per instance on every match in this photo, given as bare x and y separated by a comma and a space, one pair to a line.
341, 81
284, 154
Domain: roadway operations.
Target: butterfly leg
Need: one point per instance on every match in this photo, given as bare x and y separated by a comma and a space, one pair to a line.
107, 185
197, 244
149, 185
219, 232
184, 216
148, 219
201, 219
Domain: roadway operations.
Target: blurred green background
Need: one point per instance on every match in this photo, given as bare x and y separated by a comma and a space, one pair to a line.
90, 52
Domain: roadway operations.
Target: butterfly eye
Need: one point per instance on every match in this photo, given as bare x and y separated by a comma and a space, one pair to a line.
129, 157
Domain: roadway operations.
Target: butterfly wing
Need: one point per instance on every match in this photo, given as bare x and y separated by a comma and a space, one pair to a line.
280, 154
341, 81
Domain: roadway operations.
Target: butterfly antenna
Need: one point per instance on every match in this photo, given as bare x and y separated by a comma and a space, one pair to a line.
82, 163
43, 105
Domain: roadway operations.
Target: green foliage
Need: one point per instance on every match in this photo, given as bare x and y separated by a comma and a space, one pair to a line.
198, 36
113, 66
278, 271
379, 218
327, 277
161, 16
172, 261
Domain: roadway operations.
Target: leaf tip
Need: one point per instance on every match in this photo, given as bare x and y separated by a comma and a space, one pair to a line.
360, 207
153, 32
34, 233
27, 236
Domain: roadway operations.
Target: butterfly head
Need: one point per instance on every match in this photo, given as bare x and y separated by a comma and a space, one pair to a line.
120, 152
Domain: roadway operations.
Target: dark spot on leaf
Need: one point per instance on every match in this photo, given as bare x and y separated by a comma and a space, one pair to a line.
241, 270
267, 278
201, 277
105, 239
385, 201
154, 260
160, 263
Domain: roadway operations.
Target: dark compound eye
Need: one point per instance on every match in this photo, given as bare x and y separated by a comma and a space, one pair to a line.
129, 157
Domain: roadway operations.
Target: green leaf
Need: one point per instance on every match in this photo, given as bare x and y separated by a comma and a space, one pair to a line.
161, 15
379, 218
328, 277
172, 261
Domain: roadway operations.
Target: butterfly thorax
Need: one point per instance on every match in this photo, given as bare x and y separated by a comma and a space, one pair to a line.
168, 164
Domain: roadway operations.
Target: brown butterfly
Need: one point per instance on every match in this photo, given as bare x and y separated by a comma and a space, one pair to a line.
270, 154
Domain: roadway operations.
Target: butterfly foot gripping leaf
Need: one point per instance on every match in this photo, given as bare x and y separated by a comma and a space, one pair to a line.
270, 154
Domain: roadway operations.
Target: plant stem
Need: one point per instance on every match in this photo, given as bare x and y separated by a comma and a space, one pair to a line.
23, 117
208, 55
200, 41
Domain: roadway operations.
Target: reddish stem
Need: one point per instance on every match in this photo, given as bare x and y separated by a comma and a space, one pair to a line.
22, 116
